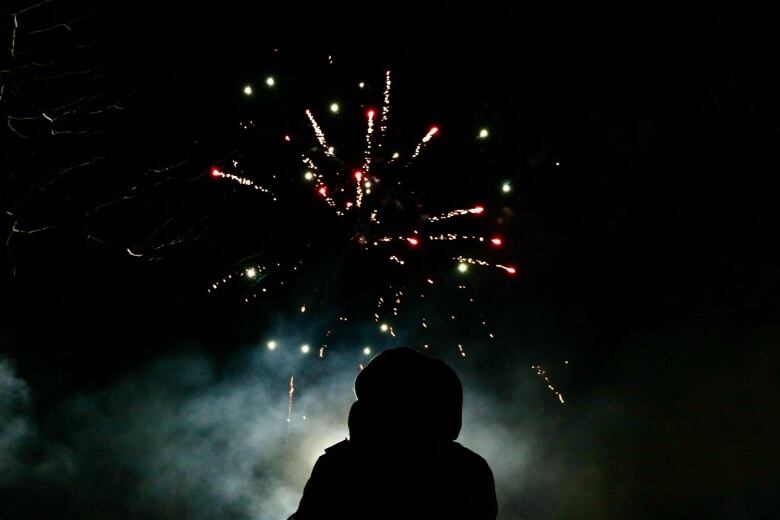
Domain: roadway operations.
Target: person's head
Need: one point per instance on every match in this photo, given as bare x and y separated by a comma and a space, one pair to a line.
403, 393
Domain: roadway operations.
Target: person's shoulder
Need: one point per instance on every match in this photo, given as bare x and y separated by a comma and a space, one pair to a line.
468, 457
335, 460
463, 451
337, 454
339, 447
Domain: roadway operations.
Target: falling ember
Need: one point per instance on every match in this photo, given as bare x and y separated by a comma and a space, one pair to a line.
413, 241
541, 372
462, 352
322, 351
496, 241
303, 308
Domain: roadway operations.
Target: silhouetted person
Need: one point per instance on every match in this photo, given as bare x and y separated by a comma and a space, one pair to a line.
401, 461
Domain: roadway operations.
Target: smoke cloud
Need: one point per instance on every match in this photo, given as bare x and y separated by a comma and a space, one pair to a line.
188, 436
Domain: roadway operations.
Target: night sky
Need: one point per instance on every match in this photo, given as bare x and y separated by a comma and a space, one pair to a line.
641, 147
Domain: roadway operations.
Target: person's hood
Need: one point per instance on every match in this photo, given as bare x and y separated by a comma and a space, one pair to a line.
403, 393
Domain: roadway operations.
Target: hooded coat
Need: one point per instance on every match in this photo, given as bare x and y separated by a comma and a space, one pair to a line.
401, 460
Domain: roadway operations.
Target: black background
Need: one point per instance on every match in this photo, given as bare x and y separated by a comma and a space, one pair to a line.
647, 254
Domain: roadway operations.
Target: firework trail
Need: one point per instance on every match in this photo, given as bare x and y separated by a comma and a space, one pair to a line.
541, 372
369, 133
433, 131
319, 133
476, 210
215, 172
290, 394
385, 108
464, 261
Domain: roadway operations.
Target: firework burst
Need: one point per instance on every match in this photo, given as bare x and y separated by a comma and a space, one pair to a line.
370, 215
